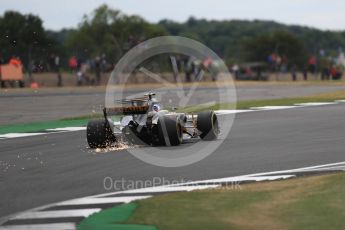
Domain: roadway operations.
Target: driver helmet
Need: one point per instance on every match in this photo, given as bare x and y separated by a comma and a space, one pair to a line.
156, 107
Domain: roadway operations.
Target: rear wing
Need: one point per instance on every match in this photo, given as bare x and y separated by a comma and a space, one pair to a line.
125, 110
130, 106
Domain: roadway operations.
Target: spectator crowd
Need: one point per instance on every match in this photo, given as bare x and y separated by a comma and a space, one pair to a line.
90, 71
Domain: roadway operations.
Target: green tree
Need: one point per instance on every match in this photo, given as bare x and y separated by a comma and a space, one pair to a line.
281, 42
23, 36
108, 31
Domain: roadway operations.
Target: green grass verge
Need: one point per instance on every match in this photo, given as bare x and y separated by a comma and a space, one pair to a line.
39, 126
304, 203
112, 219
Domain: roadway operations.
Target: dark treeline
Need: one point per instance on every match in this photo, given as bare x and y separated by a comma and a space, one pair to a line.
109, 33
248, 41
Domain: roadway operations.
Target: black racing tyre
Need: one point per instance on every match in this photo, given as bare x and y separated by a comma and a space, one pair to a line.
99, 134
207, 124
170, 131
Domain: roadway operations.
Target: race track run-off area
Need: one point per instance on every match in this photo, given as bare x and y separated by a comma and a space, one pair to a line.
51, 180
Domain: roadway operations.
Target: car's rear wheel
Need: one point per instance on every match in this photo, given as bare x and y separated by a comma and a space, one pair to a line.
207, 124
170, 131
99, 134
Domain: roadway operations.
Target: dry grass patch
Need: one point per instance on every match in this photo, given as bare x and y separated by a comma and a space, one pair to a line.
287, 204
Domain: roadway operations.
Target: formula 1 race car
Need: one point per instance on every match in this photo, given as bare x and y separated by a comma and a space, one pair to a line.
142, 121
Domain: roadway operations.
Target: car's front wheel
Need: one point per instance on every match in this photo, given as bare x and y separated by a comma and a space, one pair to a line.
207, 124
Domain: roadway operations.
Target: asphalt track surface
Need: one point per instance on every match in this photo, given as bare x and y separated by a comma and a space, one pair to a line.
56, 167
28, 105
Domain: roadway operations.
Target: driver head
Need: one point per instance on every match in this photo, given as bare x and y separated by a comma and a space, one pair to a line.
156, 107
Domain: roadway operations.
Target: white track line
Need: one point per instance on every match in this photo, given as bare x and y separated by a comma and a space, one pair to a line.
297, 169
316, 103
106, 200
232, 111
158, 189
57, 214
239, 179
15, 135
274, 107
69, 129
338, 168
60, 226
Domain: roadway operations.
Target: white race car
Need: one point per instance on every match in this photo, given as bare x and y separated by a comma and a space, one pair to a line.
142, 121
